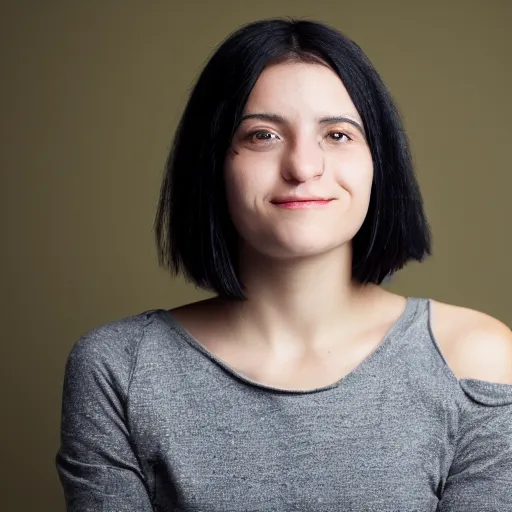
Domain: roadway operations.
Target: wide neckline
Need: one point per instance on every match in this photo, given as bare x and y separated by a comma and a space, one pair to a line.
193, 342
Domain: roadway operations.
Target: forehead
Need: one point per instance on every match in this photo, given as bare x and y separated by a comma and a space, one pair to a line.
300, 88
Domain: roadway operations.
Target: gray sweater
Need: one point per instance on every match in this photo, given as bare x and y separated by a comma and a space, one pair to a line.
152, 421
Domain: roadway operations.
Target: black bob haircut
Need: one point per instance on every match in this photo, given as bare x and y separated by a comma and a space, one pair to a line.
193, 229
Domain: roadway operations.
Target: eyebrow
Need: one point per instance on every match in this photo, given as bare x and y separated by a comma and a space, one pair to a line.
276, 118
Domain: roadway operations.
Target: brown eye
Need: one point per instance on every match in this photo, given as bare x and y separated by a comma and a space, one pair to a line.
262, 136
339, 137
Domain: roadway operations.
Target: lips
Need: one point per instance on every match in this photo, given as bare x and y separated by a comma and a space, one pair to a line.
301, 204
294, 199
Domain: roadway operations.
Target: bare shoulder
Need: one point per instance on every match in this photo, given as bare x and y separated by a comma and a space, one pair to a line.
474, 344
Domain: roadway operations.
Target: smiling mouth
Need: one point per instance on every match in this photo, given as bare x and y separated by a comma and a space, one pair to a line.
302, 204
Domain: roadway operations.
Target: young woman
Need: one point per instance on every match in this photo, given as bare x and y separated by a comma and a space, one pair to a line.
302, 385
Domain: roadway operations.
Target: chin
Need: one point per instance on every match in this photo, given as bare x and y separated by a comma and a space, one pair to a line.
306, 248
301, 255
294, 241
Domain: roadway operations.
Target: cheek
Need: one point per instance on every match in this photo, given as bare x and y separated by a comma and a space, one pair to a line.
355, 175
250, 174
237, 188
245, 186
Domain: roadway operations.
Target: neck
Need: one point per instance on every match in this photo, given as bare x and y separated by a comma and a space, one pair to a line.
298, 304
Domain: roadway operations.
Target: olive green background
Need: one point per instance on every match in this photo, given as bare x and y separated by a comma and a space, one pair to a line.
90, 94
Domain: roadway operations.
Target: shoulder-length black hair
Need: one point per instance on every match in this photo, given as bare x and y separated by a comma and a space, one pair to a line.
193, 230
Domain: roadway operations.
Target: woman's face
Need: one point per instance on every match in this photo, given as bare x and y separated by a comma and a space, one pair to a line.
301, 138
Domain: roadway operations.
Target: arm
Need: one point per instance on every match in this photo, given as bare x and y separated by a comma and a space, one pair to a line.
480, 478
96, 463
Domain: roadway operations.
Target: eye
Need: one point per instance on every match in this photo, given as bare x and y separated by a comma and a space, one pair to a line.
339, 137
261, 136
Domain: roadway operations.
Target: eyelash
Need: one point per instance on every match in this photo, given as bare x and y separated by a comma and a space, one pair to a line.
342, 134
250, 135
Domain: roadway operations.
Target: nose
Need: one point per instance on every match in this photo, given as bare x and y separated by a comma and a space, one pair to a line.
303, 161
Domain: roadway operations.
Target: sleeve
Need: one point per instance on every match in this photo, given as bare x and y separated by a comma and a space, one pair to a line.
96, 463
480, 478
